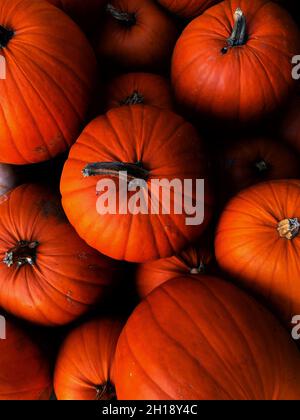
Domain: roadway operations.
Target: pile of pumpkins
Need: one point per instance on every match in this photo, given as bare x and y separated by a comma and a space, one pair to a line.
144, 306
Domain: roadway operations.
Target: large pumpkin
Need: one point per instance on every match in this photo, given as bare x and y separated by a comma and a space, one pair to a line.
139, 88
50, 72
87, 14
136, 34
85, 363
194, 339
225, 64
188, 8
150, 145
290, 124
257, 242
253, 160
24, 370
193, 261
48, 275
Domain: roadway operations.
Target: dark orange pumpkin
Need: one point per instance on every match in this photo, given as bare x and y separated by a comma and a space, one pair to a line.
193, 261
139, 88
253, 160
50, 73
48, 275
188, 8
226, 62
150, 145
290, 125
85, 363
24, 370
136, 34
194, 339
257, 242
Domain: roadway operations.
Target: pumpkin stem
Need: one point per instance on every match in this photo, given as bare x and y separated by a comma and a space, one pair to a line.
261, 165
288, 228
23, 253
134, 99
105, 392
5, 36
127, 19
239, 32
116, 169
198, 270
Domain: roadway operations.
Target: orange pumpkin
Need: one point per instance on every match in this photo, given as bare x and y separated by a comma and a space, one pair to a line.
193, 261
84, 367
149, 144
139, 88
48, 275
50, 73
225, 63
257, 243
188, 8
136, 34
204, 339
25, 372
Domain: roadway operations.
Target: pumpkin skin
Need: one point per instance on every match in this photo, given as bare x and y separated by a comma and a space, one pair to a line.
253, 160
193, 261
8, 178
172, 347
250, 248
290, 125
139, 88
84, 367
168, 148
85, 14
188, 9
146, 43
240, 83
25, 373
50, 67
64, 281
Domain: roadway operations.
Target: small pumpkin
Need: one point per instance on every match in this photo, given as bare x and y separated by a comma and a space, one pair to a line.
149, 145
8, 178
50, 73
253, 160
25, 372
188, 9
193, 339
257, 243
136, 34
193, 261
85, 365
139, 88
225, 63
48, 275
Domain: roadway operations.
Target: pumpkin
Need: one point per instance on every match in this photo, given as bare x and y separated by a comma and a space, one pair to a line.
257, 242
139, 88
50, 73
253, 160
290, 124
136, 34
8, 178
25, 372
86, 14
193, 339
84, 367
188, 9
225, 63
193, 261
48, 275
149, 145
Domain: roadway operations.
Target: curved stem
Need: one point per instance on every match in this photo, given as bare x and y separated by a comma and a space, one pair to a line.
23, 253
105, 392
134, 99
116, 169
125, 18
5, 36
238, 36
289, 228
